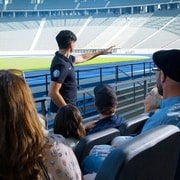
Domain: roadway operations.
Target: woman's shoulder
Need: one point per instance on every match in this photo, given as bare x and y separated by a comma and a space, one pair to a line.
60, 160
56, 138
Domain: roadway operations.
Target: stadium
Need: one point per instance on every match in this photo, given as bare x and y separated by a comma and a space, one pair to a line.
133, 26
137, 28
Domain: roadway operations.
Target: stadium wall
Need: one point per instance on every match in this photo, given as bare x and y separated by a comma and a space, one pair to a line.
76, 51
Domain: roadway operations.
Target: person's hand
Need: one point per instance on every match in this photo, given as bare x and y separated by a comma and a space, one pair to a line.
108, 50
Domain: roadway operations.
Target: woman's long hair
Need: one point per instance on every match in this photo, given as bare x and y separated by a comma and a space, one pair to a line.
22, 142
68, 122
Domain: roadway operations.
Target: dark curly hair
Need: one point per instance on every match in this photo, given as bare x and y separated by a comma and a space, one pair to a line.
64, 38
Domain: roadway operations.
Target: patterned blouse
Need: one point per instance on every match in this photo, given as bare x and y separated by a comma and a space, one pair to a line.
61, 162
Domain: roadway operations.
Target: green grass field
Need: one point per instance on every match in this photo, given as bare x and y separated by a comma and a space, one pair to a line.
43, 63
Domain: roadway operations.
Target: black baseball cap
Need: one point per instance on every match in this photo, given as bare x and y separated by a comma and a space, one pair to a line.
105, 96
169, 62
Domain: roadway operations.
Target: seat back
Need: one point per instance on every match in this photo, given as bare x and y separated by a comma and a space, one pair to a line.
133, 126
84, 146
177, 176
150, 155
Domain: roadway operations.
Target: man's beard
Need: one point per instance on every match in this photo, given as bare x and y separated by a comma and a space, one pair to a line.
160, 89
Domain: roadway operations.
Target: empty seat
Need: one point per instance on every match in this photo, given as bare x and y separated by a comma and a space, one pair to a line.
133, 126
84, 146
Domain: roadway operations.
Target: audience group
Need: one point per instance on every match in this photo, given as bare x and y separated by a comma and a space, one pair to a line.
28, 151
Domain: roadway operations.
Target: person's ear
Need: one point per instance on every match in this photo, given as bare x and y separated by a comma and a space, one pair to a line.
163, 77
71, 44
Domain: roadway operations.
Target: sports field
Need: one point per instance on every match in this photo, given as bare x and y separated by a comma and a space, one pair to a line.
43, 63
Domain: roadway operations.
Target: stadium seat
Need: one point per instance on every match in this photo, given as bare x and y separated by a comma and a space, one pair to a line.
133, 126
177, 176
86, 144
150, 155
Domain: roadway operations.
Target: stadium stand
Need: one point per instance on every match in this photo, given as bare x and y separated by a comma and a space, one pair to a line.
19, 5
1, 5
129, 25
93, 4
135, 2
127, 35
54, 4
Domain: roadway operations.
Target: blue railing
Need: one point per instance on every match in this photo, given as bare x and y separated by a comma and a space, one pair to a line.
90, 76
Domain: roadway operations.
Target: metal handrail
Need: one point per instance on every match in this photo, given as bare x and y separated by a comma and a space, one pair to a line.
100, 77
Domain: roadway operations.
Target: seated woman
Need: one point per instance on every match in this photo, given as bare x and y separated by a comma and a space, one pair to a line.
25, 151
68, 122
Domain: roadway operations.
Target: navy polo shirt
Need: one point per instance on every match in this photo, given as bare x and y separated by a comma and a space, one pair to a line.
62, 71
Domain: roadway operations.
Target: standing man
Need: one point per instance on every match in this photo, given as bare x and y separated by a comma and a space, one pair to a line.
63, 89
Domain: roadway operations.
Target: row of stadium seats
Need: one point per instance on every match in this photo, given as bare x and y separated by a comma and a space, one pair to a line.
157, 30
73, 4
153, 154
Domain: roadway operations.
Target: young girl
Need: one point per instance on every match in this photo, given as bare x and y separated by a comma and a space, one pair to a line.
68, 122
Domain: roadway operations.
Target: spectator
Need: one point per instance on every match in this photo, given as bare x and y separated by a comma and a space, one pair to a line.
63, 88
68, 122
106, 104
25, 151
168, 84
152, 101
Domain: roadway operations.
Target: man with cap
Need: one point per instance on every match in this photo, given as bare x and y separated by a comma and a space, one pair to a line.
168, 83
63, 88
106, 104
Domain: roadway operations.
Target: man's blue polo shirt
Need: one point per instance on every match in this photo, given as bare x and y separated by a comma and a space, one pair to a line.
169, 113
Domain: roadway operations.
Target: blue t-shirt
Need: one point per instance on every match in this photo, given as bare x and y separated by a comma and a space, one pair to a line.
113, 121
62, 71
169, 113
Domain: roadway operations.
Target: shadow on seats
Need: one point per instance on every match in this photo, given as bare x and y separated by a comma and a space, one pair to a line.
152, 155
84, 146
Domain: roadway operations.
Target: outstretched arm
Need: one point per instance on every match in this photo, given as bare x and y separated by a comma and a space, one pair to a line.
88, 56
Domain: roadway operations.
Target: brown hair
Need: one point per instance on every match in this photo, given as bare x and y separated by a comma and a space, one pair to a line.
22, 142
68, 122
106, 110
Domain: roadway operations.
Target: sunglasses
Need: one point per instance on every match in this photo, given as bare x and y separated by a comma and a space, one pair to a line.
155, 69
17, 72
